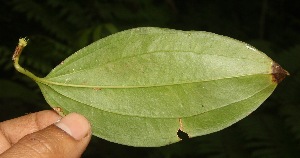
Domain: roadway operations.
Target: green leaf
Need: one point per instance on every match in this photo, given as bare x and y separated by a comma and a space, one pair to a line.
141, 86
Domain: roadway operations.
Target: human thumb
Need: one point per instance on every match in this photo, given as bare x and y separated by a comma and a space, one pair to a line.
67, 138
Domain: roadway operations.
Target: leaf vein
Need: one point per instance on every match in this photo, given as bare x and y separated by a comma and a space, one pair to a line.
155, 117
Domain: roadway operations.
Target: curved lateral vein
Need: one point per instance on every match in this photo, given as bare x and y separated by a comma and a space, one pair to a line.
235, 101
84, 55
137, 55
98, 49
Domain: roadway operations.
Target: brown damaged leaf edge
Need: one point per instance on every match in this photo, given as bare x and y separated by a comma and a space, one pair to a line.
278, 73
180, 133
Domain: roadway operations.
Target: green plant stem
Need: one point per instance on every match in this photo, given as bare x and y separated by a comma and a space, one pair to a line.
24, 71
16, 56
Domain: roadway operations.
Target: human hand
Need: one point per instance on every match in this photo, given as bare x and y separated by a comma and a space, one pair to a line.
41, 135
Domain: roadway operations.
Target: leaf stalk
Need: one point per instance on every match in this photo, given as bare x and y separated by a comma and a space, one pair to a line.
21, 45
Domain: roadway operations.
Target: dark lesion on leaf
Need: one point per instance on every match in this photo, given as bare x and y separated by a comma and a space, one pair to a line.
278, 73
180, 133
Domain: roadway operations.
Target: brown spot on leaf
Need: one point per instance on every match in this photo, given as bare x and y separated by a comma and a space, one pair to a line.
97, 89
278, 73
180, 124
58, 109
84, 83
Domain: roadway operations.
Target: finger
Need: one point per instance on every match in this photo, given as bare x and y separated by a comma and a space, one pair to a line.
12, 131
67, 138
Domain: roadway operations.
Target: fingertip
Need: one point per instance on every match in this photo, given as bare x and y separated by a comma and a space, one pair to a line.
15, 129
67, 138
46, 118
75, 125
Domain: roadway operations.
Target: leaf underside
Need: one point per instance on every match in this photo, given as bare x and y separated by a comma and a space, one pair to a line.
140, 86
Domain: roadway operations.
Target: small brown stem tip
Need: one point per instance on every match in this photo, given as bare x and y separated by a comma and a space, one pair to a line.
22, 43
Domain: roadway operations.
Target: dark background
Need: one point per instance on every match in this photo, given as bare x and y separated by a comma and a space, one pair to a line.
57, 29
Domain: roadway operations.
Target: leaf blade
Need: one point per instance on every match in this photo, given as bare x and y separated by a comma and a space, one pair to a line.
147, 83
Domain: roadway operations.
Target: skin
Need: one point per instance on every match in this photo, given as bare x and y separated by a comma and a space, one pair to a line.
44, 134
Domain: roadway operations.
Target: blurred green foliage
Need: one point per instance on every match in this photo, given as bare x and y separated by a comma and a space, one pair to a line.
57, 29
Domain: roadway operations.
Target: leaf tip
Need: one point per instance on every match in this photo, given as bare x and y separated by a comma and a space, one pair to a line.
278, 73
